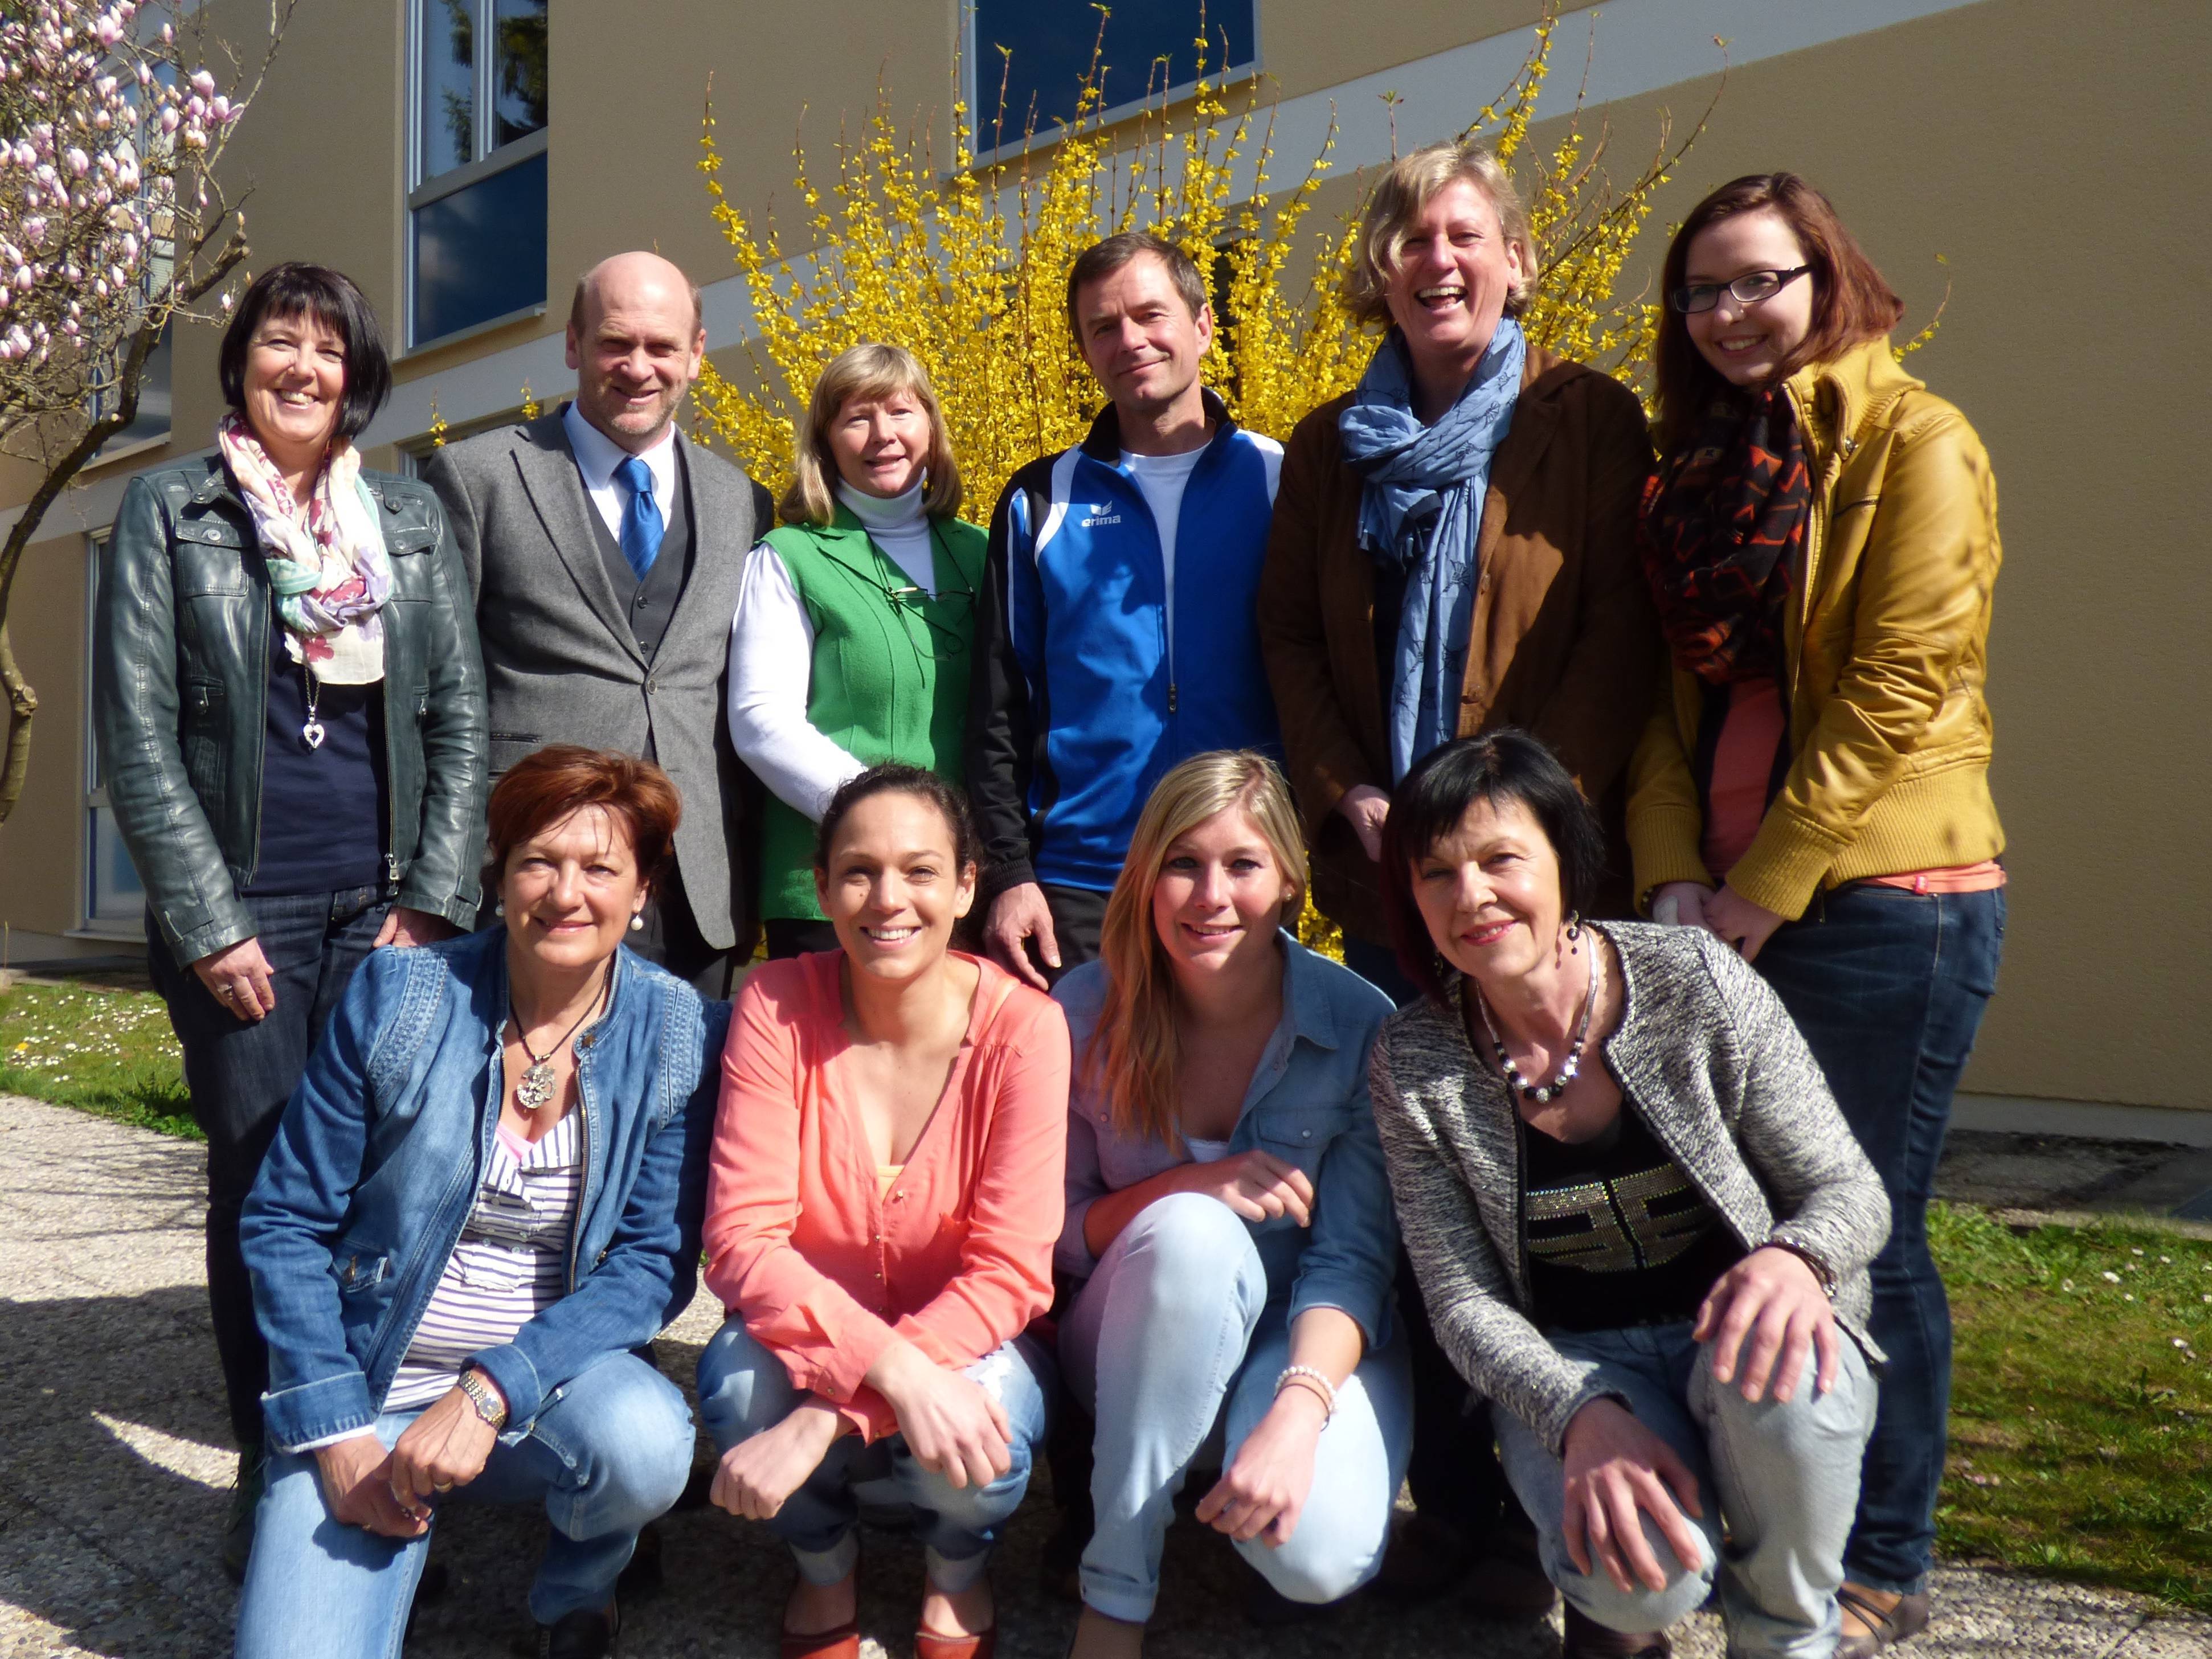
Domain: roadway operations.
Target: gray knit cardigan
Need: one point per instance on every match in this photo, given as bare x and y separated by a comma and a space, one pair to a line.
1714, 1067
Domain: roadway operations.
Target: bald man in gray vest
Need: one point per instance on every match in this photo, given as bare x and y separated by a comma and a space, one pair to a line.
604, 551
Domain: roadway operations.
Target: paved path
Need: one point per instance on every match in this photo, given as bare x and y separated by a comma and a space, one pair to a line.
112, 1484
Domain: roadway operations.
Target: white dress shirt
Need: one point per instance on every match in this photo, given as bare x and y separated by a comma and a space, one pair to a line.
598, 455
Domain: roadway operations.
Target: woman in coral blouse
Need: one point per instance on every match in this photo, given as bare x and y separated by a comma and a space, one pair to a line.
885, 1192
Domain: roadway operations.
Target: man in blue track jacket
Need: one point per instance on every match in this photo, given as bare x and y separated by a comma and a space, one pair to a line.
1115, 634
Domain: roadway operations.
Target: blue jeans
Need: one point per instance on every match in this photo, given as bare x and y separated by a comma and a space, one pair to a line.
610, 1454
1888, 987
744, 1389
1785, 1478
239, 1076
1176, 1325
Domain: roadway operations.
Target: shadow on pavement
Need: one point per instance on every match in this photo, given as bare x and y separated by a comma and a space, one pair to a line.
114, 1473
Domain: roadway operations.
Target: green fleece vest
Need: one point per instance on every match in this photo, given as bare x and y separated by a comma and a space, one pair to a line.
890, 679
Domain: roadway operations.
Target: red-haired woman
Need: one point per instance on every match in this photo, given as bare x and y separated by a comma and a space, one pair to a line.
1821, 540
484, 1198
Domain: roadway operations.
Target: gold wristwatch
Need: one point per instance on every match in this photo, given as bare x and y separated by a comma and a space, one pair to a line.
483, 1396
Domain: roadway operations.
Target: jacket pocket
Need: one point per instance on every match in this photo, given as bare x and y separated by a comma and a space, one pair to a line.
205, 748
508, 747
357, 1269
208, 568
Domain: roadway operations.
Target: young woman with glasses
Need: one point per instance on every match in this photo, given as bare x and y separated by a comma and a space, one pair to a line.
1821, 540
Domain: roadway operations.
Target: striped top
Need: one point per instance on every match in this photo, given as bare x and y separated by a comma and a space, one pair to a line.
511, 1263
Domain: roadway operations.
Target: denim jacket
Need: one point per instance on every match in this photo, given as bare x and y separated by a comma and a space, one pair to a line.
1307, 1105
381, 1150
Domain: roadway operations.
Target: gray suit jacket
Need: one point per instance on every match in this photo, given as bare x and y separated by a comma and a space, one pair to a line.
561, 662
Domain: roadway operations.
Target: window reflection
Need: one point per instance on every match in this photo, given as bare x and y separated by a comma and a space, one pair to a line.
480, 252
449, 86
518, 104
1151, 46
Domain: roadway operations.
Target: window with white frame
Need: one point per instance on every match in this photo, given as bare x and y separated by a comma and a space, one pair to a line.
114, 899
1038, 50
476, 210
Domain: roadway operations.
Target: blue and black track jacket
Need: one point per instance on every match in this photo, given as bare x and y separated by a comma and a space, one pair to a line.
1077, 704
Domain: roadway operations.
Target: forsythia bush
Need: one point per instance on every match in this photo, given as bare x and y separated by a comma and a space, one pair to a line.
967, 268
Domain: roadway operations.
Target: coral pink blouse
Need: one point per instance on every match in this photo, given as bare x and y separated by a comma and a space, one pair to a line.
825, 1265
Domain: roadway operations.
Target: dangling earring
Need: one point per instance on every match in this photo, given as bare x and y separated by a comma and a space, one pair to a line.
1574, 932
637, 922
499, 908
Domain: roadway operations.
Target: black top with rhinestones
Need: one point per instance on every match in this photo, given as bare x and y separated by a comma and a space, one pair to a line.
1617, 1235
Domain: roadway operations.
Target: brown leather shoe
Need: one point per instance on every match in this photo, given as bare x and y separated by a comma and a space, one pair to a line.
1588, 1639
1885, 1628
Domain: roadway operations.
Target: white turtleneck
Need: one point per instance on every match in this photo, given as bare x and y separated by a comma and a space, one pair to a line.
772, 655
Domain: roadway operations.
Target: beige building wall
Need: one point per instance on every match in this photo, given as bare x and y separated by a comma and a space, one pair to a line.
2031, 144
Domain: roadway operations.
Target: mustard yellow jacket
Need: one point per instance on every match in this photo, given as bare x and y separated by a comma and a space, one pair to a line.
1887, 655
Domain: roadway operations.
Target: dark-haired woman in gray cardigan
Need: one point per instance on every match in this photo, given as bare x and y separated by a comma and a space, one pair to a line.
1639, 1222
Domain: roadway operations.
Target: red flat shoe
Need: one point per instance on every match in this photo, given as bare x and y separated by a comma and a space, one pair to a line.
841, 1643
927, 1645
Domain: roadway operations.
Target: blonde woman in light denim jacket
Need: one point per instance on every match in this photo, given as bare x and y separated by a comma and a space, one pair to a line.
1228, 1214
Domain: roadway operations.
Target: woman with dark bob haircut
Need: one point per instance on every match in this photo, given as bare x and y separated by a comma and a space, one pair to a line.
290, 710
1821, 539
483, 1199
1639, 1222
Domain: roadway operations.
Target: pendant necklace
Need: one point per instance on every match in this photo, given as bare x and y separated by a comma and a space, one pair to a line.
311, 732
1542, 1094
536, 1089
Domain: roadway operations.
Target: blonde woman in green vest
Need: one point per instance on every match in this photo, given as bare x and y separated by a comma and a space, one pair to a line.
851, 644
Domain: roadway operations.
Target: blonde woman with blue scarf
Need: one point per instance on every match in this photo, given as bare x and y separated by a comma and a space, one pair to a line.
1453, 549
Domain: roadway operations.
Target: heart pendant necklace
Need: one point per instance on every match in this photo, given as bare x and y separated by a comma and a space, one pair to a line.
538, 1086
311, 732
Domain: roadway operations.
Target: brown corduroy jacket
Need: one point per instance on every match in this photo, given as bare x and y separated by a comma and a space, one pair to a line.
1565, 642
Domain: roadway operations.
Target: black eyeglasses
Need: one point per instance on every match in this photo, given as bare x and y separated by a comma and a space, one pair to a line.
1747, 289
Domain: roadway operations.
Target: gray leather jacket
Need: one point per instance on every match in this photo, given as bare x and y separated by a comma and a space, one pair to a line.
180, 685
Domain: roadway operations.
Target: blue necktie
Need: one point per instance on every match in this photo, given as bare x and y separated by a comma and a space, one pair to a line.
641, 525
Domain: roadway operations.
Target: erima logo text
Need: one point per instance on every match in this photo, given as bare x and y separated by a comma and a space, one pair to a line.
1099, 514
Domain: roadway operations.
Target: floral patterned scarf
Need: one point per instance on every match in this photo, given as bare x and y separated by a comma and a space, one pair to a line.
326, 561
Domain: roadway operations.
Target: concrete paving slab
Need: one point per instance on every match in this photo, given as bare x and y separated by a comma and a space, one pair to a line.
112, 1478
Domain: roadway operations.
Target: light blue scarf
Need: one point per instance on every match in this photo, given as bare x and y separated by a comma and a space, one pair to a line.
1420, 512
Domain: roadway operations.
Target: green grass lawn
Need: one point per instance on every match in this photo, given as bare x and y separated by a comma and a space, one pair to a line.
2082, 1412
104, 1051
2082, 1409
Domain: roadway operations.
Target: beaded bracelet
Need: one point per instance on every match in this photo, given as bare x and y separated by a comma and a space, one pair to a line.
1823, 1274
1291, 1374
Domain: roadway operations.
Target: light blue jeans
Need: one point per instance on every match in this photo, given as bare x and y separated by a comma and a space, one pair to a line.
609, 1454
743, 1389
1784, 1476
1173, 1343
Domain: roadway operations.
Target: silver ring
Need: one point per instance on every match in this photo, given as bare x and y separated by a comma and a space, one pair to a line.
226, 991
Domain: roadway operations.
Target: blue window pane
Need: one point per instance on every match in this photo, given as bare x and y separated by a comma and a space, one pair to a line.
152, 420
117, 894
1051, 41
519, 102
447, 78
480, 252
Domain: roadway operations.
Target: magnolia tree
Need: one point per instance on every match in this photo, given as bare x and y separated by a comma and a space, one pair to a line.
113, 119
